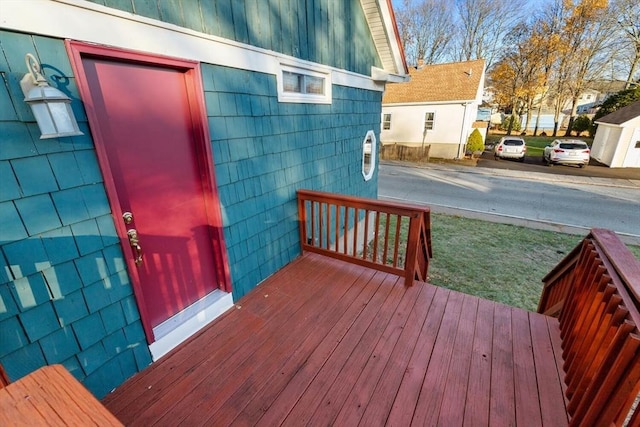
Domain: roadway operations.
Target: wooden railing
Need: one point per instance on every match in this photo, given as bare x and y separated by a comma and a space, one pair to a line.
390, 237
595, 291
4, 378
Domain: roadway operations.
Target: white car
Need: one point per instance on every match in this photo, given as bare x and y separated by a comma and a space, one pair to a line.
567, 152
510, 147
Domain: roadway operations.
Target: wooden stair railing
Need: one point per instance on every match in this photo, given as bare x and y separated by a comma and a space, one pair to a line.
595, 291
367, 232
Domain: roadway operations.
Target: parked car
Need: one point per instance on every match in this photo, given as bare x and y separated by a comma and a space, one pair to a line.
567, 152
510, 147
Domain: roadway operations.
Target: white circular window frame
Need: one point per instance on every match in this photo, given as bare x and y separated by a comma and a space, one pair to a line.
374, 144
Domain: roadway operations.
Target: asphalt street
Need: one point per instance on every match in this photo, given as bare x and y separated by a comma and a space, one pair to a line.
565, 203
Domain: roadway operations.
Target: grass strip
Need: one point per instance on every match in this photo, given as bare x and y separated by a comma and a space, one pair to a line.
499, 262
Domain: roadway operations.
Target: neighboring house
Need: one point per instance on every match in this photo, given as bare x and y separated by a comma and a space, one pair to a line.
589, 100
617, 139
436, 108
595, 94
201, 119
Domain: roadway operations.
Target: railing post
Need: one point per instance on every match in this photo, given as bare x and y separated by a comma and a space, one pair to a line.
302, 222
413, 240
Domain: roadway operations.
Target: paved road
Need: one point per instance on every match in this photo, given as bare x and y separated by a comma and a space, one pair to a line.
557, 202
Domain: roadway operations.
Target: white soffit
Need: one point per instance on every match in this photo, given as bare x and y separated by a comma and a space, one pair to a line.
382, 26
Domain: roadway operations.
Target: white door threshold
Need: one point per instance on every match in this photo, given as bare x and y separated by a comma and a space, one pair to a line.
173, 331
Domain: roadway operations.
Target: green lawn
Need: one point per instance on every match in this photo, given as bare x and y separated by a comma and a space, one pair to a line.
500, 262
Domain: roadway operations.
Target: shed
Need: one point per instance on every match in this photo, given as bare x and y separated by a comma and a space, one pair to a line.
617, 139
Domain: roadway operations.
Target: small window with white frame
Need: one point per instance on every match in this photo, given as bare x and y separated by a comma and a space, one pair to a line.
428, 120
369, 147
301, 85
386, 121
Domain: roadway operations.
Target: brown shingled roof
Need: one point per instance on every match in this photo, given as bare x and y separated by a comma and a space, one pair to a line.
456, 81
622, 115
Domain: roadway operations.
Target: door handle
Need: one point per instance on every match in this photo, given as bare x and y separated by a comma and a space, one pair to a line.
134, 241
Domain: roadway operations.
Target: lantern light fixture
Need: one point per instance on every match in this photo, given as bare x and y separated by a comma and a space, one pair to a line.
50, 107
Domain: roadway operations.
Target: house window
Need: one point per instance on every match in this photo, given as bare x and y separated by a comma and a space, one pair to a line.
303, 85
428, 121
386, 121
368, 155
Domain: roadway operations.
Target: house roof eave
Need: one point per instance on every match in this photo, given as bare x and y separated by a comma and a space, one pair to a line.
382, 76
385, 34
423, 103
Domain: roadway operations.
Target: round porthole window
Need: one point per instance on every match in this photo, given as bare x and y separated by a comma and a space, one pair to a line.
369, 155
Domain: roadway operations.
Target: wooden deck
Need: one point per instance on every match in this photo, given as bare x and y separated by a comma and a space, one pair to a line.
326, 342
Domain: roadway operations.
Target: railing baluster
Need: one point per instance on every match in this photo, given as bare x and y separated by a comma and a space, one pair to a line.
345, 231
396, 240
385, 254
366, 234
355, 232
376, 237
337, 227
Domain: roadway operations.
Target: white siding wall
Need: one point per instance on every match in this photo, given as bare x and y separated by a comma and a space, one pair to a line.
632, 159
615, 146
605, 143
407, 124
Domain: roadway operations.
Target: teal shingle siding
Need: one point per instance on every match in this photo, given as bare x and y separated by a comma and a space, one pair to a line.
328, 32
264, 151
64, 294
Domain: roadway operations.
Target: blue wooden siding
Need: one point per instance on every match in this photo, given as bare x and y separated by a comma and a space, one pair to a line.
328, 32
264, 151
65, 296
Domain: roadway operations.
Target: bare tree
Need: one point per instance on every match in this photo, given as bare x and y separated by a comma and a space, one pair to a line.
426, 29
519, 74
588, 32
482, 26
545, 39
628, 14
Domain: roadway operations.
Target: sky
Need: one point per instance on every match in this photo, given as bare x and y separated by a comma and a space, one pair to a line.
530, 5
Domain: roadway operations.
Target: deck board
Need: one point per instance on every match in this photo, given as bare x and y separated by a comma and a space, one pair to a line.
327, 342
476, 410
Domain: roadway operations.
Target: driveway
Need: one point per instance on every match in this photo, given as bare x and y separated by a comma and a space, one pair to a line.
534, 164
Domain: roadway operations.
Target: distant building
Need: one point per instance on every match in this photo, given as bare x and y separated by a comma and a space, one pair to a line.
590, 99
437, 107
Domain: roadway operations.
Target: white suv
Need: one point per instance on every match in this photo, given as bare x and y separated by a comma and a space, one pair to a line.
510, 147
568, 152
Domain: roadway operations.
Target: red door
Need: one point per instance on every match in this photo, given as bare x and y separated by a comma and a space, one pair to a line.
150, 135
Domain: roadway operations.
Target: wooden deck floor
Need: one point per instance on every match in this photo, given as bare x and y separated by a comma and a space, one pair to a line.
323, 342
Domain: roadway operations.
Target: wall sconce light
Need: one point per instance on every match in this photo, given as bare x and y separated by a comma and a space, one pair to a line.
51, 108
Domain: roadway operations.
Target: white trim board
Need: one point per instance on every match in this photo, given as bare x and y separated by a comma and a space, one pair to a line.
93, 23
175, 330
